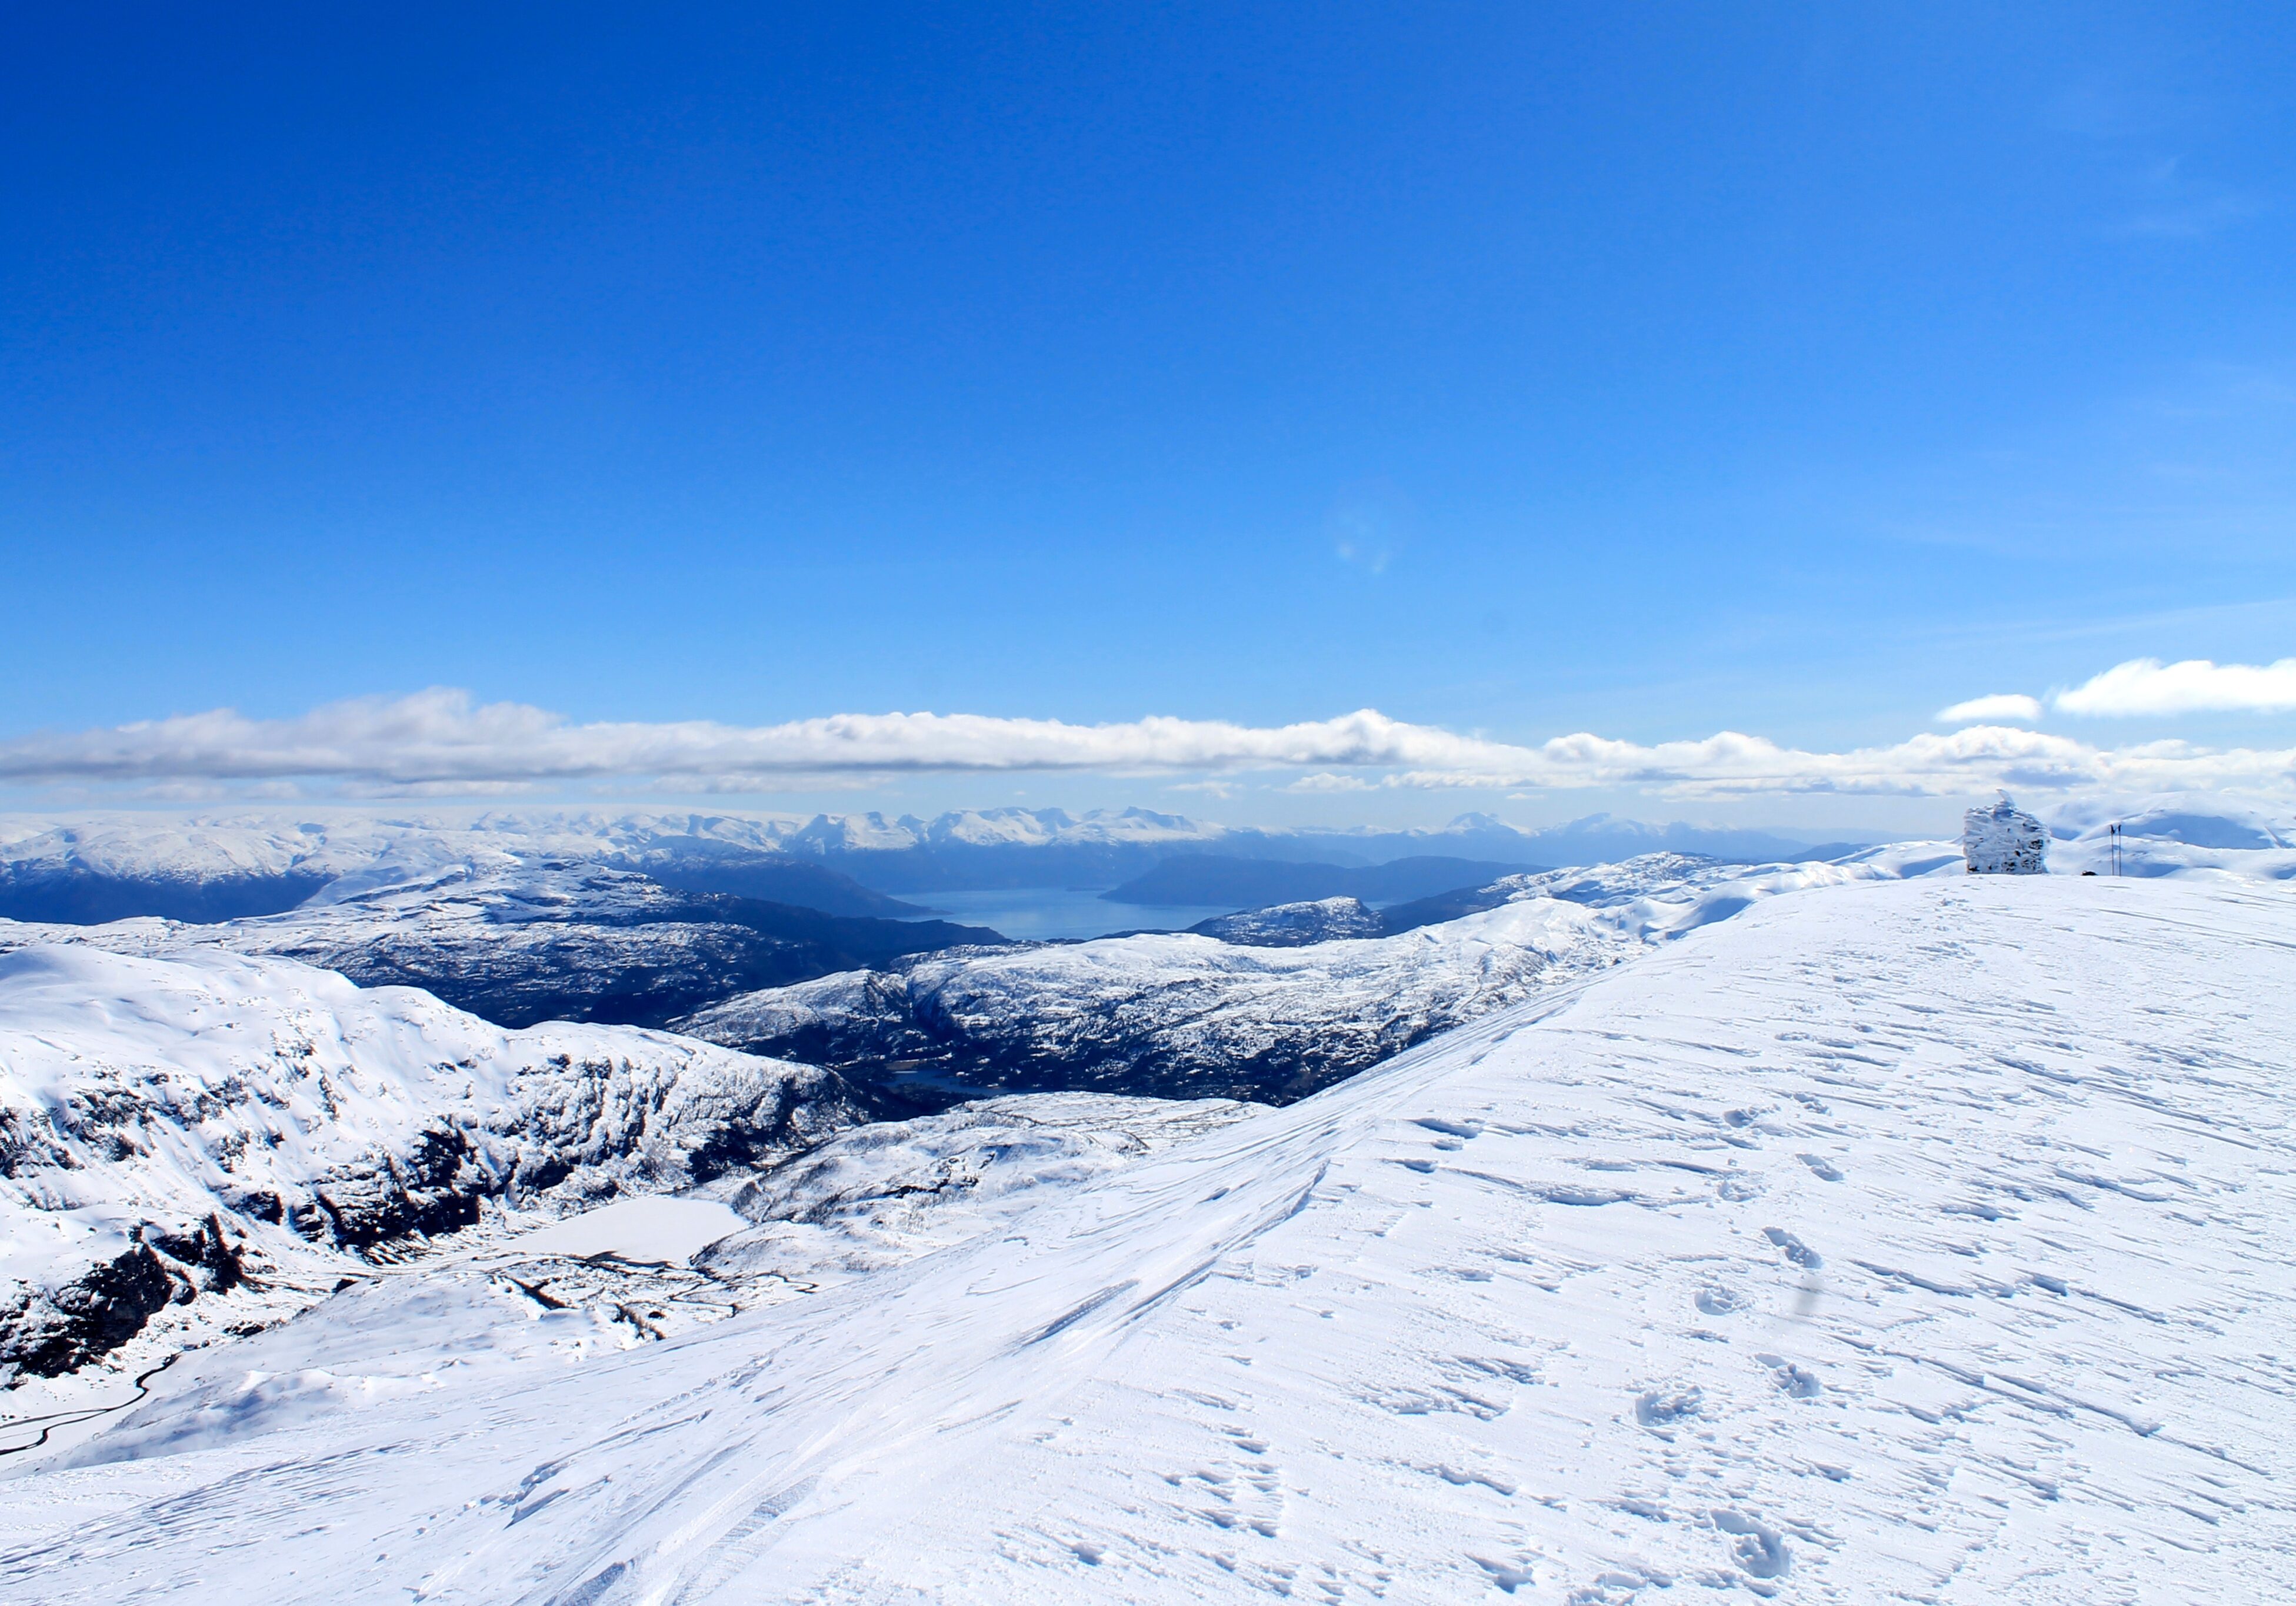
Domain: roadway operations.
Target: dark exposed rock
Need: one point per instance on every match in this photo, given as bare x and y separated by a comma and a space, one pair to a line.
432, 1187
46, 1332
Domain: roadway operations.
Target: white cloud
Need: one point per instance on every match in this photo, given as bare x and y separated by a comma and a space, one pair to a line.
440, 741
440, 735
2001, 705
1325, 780
2147, 686
1731, 765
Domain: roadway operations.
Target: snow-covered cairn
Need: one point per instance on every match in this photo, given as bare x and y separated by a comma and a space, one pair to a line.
2003, 840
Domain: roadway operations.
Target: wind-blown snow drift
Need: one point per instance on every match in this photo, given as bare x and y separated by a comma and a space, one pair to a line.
1914, 1240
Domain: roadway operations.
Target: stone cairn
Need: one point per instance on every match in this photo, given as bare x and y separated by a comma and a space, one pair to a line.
2003, 840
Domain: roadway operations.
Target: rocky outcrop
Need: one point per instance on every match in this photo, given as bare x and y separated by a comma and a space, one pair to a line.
171, 1129
48, 1331
430, 1185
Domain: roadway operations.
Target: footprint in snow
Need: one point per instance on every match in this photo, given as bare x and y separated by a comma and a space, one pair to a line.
1509, 1575
1797, 1252
1799, 1381
1760, 1549
1658, 1409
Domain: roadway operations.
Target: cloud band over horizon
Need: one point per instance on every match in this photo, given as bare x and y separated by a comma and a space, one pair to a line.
441, 741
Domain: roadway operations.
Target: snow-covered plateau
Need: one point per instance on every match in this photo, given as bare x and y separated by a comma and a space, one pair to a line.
1919, 1238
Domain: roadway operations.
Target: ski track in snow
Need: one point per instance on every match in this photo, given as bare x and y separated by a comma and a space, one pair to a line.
1920, 1240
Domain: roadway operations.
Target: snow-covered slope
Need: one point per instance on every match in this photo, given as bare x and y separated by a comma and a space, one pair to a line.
881, 1194
2173, 837
209, 1125
1922, 1239
505, 1293
2197, 822
1174, 1016
1187, 1014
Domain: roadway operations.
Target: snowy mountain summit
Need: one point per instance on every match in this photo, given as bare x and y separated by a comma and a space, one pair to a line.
1896, 1239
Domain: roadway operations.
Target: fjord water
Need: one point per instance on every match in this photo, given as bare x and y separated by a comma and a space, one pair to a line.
1052, 914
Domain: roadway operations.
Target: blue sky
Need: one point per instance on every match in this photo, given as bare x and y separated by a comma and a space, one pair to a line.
1515, 371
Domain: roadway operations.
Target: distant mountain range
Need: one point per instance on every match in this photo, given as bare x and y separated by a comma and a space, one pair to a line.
210, 868
1022, 847
1199, 879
